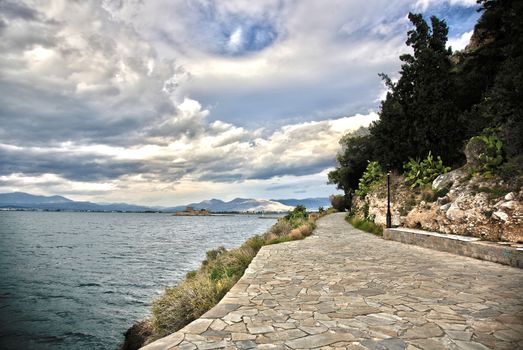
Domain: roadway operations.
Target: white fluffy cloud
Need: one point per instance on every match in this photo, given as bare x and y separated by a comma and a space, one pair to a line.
460, 42
160, 101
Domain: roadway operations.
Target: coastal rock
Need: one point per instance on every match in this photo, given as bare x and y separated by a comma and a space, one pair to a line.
499, 215
446, 180
136, 336
509, 205
454, 212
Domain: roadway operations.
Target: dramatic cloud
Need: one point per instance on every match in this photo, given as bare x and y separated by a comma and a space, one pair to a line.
158, 101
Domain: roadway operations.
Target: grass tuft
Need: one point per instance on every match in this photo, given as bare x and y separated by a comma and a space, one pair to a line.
365, 225
222, 268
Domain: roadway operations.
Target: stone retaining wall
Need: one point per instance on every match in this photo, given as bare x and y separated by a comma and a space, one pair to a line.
504, 252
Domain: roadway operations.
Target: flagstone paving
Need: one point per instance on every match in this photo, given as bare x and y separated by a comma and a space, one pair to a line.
346, 289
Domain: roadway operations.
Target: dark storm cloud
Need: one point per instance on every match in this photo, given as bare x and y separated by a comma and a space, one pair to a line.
72, 166
17, 10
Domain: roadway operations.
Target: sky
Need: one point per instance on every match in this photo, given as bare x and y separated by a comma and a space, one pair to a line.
166, 102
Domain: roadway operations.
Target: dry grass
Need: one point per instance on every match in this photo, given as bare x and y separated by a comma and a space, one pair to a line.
204, 288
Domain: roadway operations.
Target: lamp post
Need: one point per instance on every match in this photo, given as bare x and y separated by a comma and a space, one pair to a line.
389, 216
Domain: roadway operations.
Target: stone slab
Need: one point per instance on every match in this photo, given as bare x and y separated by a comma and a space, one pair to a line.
466, 246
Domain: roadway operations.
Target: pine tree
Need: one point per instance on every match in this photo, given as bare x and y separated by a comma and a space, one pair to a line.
419, 113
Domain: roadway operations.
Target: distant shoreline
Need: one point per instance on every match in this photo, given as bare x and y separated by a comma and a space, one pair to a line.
231, 213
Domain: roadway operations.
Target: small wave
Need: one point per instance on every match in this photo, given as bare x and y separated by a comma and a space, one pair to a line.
92, 284
79, 335
48, 339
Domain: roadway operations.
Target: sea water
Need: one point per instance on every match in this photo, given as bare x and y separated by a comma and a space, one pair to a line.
79, 280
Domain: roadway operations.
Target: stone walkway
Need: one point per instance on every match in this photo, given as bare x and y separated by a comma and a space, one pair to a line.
346, 289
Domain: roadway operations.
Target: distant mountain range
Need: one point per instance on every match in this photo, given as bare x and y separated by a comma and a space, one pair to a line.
21, 200
309, 203
239, 205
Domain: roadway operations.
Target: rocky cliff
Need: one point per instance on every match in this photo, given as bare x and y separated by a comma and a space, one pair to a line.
456, 203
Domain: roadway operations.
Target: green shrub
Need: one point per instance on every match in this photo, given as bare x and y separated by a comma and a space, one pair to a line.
512, 168
281, 239
231, 265
429, 194
331, 210
191, 274
494, 192
372, 176
422, 172
491, 154
321, 210
281, 228
255, 243
180, 305
297, 217
365, 225
365, 210
213, 254
222, 268
338, 202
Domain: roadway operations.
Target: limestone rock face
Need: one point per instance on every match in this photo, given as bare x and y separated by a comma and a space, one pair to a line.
473, 206
472, 151
447, 179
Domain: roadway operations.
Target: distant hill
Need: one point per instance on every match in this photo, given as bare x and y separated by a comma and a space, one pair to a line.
237, 205
20, 200
312, 204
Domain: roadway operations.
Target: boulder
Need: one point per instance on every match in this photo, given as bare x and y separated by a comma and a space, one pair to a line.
454, 212
446, 180
509, 205
136, 336
500, 215
473, 149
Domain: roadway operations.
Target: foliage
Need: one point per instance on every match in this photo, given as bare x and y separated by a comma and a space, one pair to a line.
442, 99
491, 156
365, 225
182, 304
338, 202
213, 254
494, 192
500, 32
255, 243
420, 173
512, 170
321, 210
281, 228
372, 176
297, 216
429, 194
419, 113
204, 288
351, 162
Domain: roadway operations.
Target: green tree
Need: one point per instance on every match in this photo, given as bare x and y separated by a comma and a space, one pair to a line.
351, 162
338, 202
372, 176
502, 105
419, 113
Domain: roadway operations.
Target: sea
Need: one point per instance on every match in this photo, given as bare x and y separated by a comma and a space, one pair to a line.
78, 280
